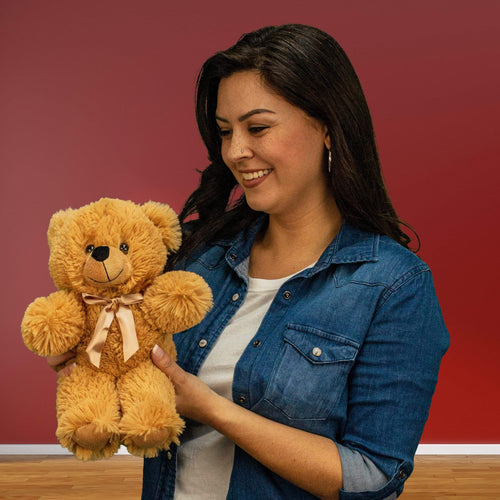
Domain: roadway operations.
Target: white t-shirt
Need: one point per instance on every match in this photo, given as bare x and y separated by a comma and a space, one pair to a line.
205, 458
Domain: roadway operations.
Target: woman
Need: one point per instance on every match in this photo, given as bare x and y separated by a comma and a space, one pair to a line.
317, 364
313, 374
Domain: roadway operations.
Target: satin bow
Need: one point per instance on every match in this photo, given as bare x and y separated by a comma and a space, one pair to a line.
116, 307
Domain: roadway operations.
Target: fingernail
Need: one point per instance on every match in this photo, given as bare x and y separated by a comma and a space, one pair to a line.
158, 351
66, 370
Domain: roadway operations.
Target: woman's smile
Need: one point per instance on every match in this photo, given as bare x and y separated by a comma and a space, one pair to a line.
248, 176
252, 179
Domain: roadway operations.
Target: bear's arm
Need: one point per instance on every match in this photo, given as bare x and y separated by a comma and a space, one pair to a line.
177, 300
53, 325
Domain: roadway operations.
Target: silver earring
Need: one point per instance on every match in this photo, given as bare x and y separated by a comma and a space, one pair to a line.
329, 161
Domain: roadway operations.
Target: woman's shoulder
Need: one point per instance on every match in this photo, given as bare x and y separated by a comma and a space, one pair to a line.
376, 259
392, 253
397, 263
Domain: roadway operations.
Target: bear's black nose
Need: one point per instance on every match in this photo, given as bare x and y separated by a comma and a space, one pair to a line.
100, 253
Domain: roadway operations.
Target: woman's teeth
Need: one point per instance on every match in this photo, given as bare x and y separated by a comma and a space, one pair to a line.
248, 176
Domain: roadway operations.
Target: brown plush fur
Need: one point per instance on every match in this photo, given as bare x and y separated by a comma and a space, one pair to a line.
130, 402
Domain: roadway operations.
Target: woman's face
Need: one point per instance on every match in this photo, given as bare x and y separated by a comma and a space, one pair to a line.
274, 149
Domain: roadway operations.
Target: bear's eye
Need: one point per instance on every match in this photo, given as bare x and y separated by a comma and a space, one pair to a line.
89, 249
124, 248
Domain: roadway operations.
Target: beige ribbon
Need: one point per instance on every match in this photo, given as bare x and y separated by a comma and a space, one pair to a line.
119, 307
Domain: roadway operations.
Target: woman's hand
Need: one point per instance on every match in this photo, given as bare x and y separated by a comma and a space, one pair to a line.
311, 462
193, 398
61, 363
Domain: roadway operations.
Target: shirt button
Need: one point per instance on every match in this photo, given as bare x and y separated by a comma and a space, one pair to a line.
233, 256
242, 400
402, 474
169, 455
202, 343
317, 352
235, 297
256, 343
287, 295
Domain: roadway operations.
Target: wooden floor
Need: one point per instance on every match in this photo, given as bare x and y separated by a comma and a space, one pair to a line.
63, 477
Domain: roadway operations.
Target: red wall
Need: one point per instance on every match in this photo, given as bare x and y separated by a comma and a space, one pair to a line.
96, 99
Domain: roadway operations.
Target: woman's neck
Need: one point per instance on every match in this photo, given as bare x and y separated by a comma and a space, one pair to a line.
291, 243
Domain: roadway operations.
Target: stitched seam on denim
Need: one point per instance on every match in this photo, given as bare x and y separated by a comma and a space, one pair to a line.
402, 281
161, 482
223, 321
360, 257
208, 266
291, 418
339, 284
313, 362
334, 337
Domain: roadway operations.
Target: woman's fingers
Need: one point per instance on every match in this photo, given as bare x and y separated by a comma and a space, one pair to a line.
61, 363
168, 366
66, 370
194, 399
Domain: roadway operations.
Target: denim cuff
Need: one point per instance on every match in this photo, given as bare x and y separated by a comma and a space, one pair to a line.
360, 474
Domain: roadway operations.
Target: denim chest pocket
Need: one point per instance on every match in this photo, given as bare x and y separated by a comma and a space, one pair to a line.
310, 373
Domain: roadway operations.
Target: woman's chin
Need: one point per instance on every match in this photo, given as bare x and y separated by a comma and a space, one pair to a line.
259, 205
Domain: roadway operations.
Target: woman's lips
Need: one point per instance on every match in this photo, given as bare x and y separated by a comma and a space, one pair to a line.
252, 179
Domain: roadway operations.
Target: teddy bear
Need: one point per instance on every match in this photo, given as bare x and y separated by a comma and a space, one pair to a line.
114, 303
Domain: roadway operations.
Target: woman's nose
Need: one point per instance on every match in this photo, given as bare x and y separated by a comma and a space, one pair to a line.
238, 148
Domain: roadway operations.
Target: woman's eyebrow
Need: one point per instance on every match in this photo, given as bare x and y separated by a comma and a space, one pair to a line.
242, 118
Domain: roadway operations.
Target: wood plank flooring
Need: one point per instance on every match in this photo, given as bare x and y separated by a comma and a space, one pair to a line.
63, 477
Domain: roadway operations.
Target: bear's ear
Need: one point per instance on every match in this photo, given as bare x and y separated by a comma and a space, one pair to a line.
57, 221
166, 220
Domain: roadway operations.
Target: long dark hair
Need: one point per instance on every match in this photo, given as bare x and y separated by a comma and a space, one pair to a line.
309, 69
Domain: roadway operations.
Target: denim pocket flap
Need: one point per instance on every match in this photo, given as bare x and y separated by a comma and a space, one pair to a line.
320, 347
309, 375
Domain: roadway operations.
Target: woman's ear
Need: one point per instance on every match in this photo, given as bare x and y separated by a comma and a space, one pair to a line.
328, 143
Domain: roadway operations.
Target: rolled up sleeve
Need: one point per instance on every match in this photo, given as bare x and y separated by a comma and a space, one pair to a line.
392, 382
359, 473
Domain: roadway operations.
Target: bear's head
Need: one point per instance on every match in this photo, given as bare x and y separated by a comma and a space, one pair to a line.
111, 247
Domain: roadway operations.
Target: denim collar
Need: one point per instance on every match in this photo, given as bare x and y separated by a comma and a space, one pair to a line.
350, 245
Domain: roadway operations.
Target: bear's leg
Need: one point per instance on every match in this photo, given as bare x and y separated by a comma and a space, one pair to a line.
150, 421
88, 413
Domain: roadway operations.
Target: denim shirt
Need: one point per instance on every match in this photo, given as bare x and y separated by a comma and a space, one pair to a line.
349, 349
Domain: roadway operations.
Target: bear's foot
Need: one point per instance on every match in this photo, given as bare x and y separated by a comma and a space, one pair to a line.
150, 421
88, 414
153, 439
92, 437
147, 442
89, 442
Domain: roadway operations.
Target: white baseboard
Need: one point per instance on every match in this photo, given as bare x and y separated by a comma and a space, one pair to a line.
41, 449
458, 449
423, 449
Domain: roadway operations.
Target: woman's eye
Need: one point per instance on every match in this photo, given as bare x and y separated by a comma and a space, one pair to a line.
89, 249
224, 133
256, 130
124, 248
